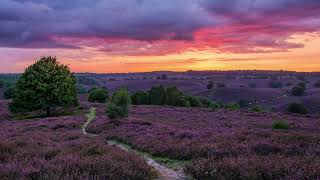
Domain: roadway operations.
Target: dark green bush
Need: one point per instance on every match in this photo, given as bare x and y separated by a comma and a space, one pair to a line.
205, 102
157, 95
214, 106
173, 96
119, 106
140, 98
232, 106
121, 98
183, 102
10, 92
99, 95
297, 108
297, 91
280, 125
275, 84
194, 101
116, 112
256, 109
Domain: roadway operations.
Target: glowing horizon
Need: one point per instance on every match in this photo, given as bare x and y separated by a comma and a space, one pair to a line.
113, 36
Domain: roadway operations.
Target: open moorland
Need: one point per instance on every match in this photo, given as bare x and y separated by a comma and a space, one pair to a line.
255, 87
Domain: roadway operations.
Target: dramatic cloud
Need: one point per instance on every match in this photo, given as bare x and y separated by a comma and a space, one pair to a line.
148, 27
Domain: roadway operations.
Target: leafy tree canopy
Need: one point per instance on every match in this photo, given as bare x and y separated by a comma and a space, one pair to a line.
45, 85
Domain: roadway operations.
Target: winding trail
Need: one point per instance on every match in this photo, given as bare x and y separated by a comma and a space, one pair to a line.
164, 172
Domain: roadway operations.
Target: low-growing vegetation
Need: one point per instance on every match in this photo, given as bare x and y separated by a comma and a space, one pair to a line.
297, 108
280, 125
119, 106
55, 148
220, 145
99, 95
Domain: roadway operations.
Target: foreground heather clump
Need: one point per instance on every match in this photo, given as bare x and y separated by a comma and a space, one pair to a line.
55, 148
222, 144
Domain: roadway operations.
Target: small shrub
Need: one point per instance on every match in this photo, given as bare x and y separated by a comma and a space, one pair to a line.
214, 106
210, 85
119, 106
275, 84
205, 102
116, 112
317, 84
232, 106
194, 101
256, 109
297, 108
280, 125
99, 95
140, 98
297, 91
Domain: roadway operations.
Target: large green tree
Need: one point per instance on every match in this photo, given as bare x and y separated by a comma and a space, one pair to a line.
45, 85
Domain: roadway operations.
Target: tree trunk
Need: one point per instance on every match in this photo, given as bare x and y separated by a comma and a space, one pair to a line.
48, 112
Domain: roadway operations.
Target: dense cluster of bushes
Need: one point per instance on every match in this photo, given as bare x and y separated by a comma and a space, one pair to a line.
99, 95
171, 96
119, 106
159, 95
297, 108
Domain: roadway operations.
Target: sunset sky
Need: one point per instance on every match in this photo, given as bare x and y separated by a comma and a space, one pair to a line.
152, 35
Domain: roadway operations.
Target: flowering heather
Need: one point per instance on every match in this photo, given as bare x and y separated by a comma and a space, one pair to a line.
223, 144
55, 148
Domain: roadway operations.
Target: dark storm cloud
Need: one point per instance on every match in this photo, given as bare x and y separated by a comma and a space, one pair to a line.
239, 25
